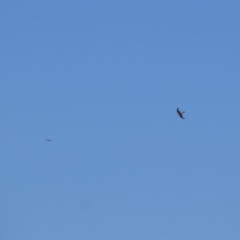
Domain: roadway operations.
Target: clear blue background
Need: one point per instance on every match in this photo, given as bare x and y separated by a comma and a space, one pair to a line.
103, 79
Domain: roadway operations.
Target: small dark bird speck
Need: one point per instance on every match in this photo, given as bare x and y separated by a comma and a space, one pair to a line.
180, 113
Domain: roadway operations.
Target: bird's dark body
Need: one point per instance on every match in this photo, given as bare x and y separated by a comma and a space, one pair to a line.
180, 113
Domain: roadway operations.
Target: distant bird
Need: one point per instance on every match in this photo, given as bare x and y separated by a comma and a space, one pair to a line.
180, 113
48, 140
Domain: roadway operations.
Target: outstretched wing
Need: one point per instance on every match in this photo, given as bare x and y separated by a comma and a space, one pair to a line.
180, 113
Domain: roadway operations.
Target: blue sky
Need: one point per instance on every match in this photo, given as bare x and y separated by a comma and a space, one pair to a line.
103, 79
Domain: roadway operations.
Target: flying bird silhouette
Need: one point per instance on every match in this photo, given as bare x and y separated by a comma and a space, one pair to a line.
180, 113
48, 140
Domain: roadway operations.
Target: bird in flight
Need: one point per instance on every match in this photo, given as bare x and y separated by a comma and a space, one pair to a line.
48, 140
180, 113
